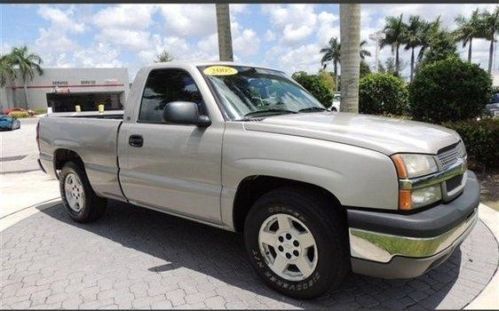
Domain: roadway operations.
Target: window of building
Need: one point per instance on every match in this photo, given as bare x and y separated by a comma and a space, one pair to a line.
164, 86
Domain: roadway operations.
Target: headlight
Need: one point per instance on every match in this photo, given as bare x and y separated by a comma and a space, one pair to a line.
414, 165
411, 166
426, 196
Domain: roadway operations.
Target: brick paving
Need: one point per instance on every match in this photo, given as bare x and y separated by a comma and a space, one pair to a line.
136, 258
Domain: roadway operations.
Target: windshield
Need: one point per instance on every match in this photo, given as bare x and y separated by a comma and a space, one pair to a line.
248, 92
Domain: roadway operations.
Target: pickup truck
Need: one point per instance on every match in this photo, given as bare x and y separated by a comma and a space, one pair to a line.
315, 193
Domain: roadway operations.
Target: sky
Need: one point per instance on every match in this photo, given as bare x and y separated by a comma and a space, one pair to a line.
281, 36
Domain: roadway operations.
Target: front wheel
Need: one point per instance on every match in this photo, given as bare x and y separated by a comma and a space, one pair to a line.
78, 197
297, 242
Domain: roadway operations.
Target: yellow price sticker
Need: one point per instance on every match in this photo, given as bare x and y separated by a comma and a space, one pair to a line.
220, 71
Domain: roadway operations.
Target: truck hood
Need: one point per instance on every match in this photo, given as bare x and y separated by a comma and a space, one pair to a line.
382, 134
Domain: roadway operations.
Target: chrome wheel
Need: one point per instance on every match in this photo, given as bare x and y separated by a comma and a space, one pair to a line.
73, 189
288, 247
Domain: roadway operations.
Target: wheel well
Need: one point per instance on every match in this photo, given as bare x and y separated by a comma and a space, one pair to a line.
61, 156
253, 187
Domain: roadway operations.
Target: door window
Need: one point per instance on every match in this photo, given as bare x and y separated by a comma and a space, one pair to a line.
164, 86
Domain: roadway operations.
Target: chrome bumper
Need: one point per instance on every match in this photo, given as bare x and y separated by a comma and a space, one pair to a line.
380, 247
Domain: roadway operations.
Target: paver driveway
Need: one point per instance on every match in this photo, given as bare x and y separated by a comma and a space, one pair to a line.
136, 258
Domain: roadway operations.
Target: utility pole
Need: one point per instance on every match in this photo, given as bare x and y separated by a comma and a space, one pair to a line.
224, 34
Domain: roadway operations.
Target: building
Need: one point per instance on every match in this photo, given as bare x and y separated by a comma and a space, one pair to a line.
62, 89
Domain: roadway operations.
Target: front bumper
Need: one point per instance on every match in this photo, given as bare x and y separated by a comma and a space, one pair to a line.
404, 246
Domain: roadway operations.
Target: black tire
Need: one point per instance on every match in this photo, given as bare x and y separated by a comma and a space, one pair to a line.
327, 225
93, 207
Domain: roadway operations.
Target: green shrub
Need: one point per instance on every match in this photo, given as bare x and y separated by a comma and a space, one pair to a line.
382, 93
19, 114
449, 90
316, 86
481, 139
40, 110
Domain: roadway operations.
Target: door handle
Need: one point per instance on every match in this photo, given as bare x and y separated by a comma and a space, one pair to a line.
136, 141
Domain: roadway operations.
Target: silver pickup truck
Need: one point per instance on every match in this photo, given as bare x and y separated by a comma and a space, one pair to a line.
315, 193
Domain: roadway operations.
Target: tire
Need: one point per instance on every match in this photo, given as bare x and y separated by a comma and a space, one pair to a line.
80, 200
327, 260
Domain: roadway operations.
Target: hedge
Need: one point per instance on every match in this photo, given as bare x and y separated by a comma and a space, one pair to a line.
19, 114
382, 93
481, 138
449, 90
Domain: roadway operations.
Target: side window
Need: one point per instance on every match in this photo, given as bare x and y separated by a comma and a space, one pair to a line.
164, 86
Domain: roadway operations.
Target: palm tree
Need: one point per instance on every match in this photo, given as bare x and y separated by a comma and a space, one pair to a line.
413, 37
224, 34
363, 52
394, 36
467, 30
7, 71
28, 65
489, 27
332, 53
428, 31
350, 56
163, 57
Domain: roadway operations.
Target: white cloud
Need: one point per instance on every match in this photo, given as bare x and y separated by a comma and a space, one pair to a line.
303, 58
295, 21
245, 41
189, 19
328, 27
128, 16
59, 36
61, 20
102, 55
269, 35
131, 39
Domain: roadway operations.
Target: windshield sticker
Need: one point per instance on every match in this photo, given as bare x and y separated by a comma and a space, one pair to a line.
220, 71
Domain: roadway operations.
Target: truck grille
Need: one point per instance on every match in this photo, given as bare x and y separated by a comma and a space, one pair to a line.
449, 155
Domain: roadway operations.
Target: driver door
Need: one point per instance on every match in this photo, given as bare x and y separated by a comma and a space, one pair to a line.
172, 167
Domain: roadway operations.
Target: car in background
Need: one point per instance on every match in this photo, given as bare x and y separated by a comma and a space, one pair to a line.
493, 107
8, 123
335, 106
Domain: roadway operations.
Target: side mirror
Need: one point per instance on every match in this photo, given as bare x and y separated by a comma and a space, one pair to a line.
185, 113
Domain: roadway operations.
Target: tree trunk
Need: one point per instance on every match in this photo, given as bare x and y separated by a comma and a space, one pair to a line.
469, 50
25, 95
350, 56
397, 61
491, 54
224, 34
412, 63
335, 76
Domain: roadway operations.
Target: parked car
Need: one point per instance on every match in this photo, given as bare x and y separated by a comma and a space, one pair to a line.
316, 194
493, 107
9, 123
335, 105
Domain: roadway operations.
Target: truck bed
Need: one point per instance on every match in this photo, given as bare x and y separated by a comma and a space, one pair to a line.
91, 135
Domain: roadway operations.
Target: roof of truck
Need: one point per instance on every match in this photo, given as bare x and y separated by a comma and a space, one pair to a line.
204, 63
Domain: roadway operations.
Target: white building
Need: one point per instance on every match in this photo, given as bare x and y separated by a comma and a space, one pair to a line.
64, 88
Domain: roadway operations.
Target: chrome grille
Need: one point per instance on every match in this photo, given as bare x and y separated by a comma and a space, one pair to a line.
449, 155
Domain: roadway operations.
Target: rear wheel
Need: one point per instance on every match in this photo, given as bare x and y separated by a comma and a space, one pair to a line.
78, 197
297, 242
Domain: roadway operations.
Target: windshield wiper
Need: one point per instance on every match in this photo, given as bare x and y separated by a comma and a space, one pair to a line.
312, 109
258, 112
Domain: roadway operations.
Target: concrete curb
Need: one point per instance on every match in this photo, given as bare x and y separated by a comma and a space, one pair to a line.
15, 217
487, 299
